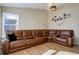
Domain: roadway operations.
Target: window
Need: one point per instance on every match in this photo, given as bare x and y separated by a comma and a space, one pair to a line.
10, 22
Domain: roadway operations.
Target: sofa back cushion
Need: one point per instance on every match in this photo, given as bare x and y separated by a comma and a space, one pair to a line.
27, 34
45, 32
38, 33
66, 33
17, 44
19, 34
52, 32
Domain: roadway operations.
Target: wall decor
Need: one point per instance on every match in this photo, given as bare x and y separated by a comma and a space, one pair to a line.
60, 18
64, 16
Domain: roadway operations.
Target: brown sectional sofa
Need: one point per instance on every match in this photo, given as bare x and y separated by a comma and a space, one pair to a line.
29, 38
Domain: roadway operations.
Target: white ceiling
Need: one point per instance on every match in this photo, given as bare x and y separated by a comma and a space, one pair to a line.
25, 5
30, 5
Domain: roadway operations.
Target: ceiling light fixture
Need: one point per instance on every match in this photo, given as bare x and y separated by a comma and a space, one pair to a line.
53, 7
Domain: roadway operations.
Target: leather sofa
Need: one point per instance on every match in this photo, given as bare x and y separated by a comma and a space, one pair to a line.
29, 38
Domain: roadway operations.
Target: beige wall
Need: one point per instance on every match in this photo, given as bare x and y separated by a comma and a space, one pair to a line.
29, 18
69, 23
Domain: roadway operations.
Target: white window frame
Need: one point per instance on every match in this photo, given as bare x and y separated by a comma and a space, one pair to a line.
3, 22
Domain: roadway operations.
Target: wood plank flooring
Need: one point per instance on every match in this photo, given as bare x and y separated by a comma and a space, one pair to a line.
42, 48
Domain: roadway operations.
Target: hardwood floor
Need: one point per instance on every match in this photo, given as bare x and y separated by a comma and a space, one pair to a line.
41, 49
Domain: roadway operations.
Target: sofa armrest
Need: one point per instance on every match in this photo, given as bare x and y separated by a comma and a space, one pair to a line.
5, 46
70, 42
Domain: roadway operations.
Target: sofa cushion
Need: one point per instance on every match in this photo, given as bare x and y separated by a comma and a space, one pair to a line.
41, 39
17, 44
30, 41
19, 38
61, 39
52, 32
27, 34
28, 37
19, 34
38, 33
64, 36
45, 33
65, 33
